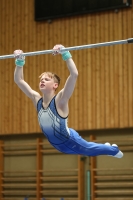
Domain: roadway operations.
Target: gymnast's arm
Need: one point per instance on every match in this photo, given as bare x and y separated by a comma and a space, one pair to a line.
69, 86
19, 80
71, 80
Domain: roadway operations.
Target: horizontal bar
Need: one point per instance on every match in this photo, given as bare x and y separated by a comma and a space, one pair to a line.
112, 169
130, 40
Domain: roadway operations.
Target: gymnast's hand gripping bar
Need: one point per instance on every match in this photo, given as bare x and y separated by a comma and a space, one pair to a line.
89, 46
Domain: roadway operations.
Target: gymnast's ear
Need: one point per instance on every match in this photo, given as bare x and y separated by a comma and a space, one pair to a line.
55, 86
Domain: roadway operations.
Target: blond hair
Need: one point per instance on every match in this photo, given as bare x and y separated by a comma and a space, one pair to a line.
51, 75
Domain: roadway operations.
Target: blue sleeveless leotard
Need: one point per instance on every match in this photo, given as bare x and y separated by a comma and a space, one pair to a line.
64, 139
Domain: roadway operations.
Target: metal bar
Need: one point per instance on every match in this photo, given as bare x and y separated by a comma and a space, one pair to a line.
89, 46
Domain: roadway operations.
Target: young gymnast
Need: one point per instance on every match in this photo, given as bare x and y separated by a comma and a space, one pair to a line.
53, 109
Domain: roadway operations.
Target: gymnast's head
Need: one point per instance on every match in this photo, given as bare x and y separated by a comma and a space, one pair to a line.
48, 81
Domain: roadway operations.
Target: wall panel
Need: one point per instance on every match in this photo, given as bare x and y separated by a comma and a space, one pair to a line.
103, 97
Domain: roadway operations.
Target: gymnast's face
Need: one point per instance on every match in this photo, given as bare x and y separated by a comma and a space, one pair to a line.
47, 83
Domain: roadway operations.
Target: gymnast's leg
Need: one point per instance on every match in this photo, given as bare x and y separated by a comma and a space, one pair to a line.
82, 147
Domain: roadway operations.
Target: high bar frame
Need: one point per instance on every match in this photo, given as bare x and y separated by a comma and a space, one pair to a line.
89, 46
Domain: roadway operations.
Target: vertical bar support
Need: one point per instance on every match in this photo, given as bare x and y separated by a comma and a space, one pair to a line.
1, 169
81, 178
93, 173
39, 168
